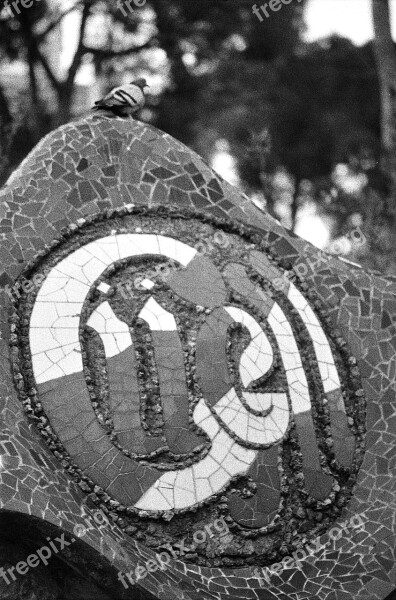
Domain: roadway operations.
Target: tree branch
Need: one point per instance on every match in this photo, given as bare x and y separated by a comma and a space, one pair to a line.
383, 41
33, 45
5, 113
80, 47
6, 123
386, 65
103, 54
43, 34
44, 63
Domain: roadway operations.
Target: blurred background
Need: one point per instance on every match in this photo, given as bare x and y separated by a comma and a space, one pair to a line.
298, 108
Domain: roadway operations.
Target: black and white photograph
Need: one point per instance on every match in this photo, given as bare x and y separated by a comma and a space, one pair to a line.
197, 300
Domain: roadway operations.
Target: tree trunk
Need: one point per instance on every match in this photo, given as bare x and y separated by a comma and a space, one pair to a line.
386, 64
65, 99
5, 134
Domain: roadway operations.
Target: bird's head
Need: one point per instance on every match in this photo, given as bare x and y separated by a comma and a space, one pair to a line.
142, 83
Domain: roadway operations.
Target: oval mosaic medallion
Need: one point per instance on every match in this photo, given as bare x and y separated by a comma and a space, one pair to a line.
180, 374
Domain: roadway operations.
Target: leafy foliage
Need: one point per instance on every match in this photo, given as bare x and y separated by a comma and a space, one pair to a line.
219, 73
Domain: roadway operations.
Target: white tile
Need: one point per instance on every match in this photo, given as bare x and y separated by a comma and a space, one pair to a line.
218, 480
249, 370
168, 494
93, 269
67, 321
320, 342
71, 363
223, 445
74, 291
56, 354
257, 358
295, 375
167, 246
54, 372
157, 317
299, 400
133, 244
176, 250
71, 270
153, 500
210, 426
240, 425
280, 401
280, 418
245, 456
183, 498
114, 333
41, 340
201, 412
206, 466
203, 489
41, 363
262, 437
66, 336
97, 319
104, 287
53, 289
79, 258
105, 248
167, 480
184, 480
43, 314
147, 284
249, 427
258, 401
232, 465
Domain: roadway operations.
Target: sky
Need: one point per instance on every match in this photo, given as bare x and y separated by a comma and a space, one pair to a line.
349, 18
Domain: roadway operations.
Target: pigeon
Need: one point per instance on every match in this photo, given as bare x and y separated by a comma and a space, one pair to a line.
125, 100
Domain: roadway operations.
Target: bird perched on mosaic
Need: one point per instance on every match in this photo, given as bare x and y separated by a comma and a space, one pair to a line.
125, 100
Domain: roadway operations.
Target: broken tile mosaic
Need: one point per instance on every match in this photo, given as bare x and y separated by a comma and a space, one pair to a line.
210, 392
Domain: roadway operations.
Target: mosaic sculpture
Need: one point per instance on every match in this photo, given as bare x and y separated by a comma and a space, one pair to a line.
174, 358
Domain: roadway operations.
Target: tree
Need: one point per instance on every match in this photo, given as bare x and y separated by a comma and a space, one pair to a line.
198, 31
386, 63
195, 37
305, 111
25, 34
5, 130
